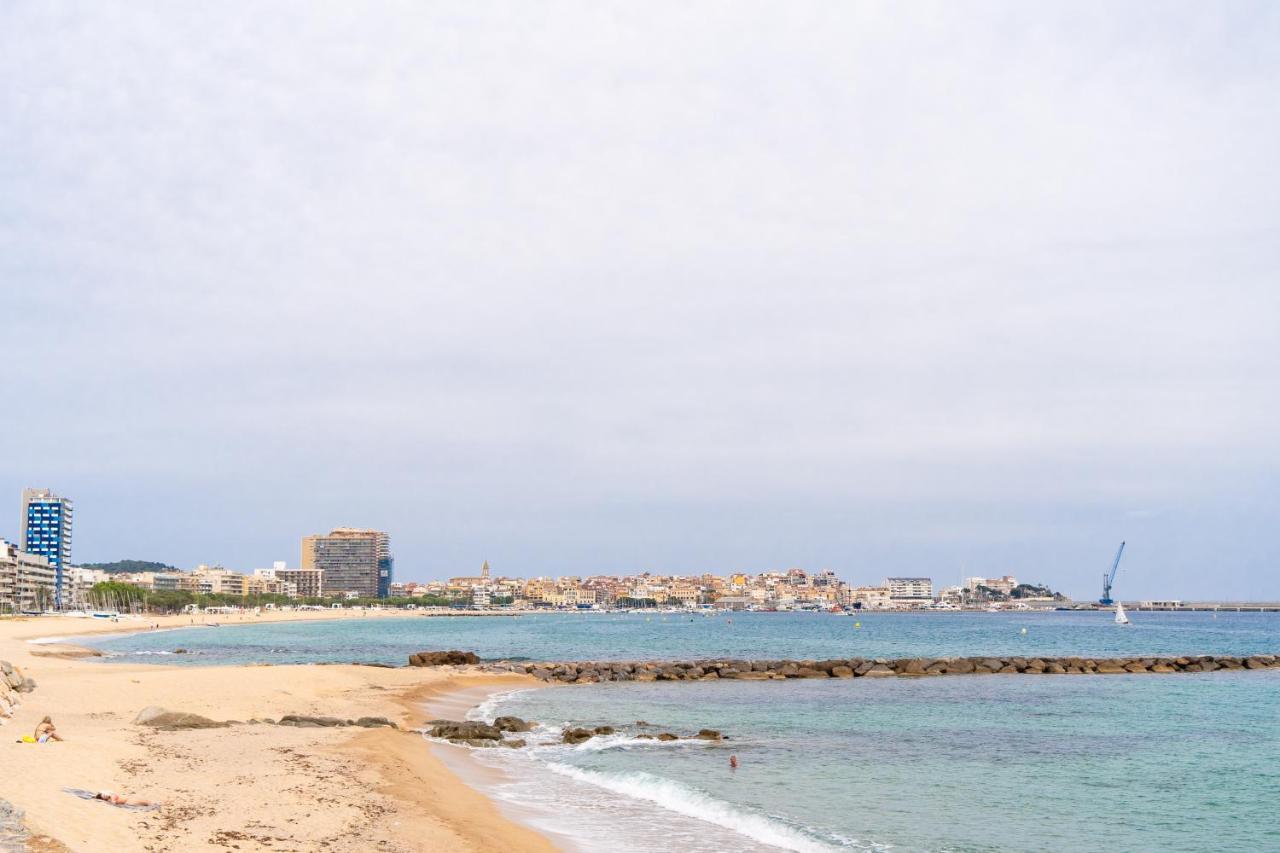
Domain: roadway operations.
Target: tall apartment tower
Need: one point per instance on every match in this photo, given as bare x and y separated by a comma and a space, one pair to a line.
351, 560
46, 531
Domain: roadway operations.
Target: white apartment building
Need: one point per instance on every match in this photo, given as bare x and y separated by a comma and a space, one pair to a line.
909, 590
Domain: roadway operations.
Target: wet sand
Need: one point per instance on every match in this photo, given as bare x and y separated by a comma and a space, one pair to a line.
250, 786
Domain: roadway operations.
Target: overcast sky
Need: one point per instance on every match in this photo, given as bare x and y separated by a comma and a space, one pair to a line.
944, 290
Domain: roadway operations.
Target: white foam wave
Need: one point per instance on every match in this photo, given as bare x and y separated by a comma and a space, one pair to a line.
601, 743
488, 709
689, 802
88, 639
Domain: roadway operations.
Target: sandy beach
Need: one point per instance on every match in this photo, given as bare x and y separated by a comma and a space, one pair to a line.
247, 787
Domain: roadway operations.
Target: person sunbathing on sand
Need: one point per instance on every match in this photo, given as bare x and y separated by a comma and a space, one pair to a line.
47, 731
119, 800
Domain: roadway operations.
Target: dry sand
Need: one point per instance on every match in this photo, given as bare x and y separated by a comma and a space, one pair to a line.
248, 787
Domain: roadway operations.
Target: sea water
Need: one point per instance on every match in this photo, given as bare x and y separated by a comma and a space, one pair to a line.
991, 763
996, 763
632, 636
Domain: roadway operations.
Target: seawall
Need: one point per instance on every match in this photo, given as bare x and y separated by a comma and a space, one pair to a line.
587, 672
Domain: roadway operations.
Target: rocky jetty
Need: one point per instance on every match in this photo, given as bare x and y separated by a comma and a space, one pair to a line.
12, 683
577, 734
589, 672
450, 658
512, 724
474, 733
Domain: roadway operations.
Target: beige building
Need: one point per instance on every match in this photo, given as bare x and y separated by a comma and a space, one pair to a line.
307, 583
352, 559
1003, 585
219, 581
26, 580
871, 597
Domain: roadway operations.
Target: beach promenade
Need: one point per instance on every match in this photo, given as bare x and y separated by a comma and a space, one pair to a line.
246, 787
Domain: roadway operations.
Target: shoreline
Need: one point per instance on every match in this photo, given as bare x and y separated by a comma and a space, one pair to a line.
258, 787
254, 787
464, 763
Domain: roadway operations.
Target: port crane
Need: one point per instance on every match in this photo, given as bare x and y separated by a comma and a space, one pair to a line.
1109, 578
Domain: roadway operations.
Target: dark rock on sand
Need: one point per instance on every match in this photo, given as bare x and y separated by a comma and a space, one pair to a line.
13, 833
463, 730
376, 723
169, 721
512, 724
304, 721
449, 658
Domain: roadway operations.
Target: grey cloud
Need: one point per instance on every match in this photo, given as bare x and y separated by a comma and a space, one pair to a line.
579, 286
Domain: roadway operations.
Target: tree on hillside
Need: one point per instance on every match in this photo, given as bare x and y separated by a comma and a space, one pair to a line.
123, 566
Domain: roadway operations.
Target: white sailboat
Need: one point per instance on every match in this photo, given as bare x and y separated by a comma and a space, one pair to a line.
1121, 618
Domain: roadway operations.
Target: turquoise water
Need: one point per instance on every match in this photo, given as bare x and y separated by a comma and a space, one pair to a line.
574, 636
950, 764
1187, 762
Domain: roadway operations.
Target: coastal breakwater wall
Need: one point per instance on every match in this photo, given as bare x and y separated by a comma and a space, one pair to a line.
588, 672
12, 683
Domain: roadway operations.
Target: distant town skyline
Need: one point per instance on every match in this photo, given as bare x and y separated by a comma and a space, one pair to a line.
383, 561
937, 290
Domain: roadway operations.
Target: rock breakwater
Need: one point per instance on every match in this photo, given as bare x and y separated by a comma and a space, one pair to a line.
450, 658
588, 672
12, 683
13, 834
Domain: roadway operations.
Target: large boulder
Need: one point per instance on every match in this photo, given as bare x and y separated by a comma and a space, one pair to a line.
463, 730
307, 721
449, 658
512, 724
169, 721
376, 723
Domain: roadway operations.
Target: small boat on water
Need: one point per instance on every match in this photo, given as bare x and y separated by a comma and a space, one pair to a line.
1121, 617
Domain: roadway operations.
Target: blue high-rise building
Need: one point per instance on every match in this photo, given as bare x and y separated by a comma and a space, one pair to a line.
386, 569
46, 530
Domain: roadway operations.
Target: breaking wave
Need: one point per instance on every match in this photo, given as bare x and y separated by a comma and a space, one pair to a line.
692, 803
